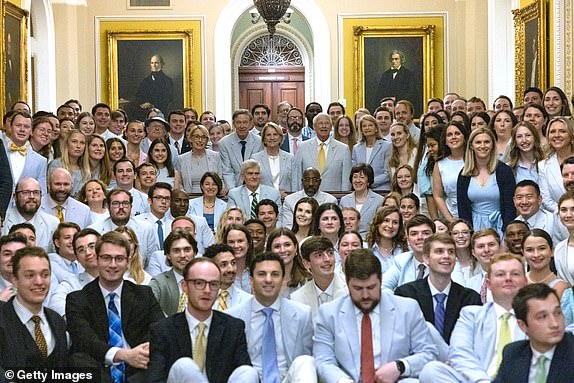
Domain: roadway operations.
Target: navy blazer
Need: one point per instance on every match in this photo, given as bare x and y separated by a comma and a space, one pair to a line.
285, 143
517, 356
506, 185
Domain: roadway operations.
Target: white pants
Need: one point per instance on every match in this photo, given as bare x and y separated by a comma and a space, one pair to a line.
440, 372
184, 370
302, 370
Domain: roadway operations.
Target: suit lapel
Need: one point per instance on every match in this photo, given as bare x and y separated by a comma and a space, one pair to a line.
20, 329
557, 372
215, 337
183, 336
388, 318
426, 299
99, 309
127, 299
349, 323
173, 289
376, 148
453, 304
245, 199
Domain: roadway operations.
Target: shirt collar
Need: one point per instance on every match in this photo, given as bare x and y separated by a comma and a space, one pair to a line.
106, 292
536, 354
499, 310
24, 314
329, 290
374, 312
435, 291
258, 307
192, 322
326, 142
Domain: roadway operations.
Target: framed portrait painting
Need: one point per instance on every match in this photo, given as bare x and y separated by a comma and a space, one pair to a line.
149, 70
530, 50
14, 53
394, 62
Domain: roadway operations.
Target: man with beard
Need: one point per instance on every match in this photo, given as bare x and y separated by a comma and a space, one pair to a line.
27, 196
295, 134
388, 336
120, 208
229, 294
59, 203
311, 182
261, 114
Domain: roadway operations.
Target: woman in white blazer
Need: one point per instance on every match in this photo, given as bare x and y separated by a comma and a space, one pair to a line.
208, 205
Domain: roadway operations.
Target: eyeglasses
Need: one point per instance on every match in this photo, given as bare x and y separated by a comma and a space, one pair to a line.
34, 193
84, 250
108, 259
462, 233
200, 284
161, 198
198, 137
120, 203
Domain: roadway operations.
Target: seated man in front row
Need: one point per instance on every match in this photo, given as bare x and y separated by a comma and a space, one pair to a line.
370, 335
200, 345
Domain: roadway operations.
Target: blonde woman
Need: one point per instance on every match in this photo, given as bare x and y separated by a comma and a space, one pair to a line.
100, 167
525, 152
404, 146
74, 159
135, 273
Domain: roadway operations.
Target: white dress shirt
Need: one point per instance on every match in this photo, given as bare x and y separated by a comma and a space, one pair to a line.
434, 291
192, 325
533, 367
110, 355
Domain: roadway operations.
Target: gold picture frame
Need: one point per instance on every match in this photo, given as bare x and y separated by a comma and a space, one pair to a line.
129, 57
373, 46
530, 55
14, 81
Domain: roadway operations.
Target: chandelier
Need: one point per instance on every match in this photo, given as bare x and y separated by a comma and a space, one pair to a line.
272, 11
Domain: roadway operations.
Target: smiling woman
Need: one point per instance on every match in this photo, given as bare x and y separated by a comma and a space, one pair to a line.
74, 159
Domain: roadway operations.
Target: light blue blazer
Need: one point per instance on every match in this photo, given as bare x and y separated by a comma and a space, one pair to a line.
213, 165
35, 167
296, 327
231, 160
368, 211
335, 176
473, 341
404, 335
551, 183
379, 161
288, 175
196, 208
239, 197
402, 270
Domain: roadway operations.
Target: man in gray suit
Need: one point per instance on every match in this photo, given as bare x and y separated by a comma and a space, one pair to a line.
278, 356
331, 157
482, 332
59, 203
371, 335
248, 195
180, 248
237, 147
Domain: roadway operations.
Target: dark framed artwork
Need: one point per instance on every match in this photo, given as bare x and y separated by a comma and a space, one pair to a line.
530, 50
14, 55
394, 62
149, 69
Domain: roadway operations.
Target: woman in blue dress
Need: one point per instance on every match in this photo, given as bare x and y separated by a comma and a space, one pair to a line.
485, 186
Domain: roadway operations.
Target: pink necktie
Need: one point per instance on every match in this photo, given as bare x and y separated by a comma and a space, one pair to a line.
295, 145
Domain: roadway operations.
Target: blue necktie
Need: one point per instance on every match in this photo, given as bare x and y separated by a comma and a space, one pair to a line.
160, 233
116, 338
243, 143
439, 312
74, 265
269, 350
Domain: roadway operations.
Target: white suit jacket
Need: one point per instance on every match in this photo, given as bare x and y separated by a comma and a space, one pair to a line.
74, 283
379, 161
473, 341
45, 225
288, 174
231, 160
550, 182
74, 211
296, 327
404, 335
307, 294
335, 176
235, 298
35, 166
239, 197
368, 210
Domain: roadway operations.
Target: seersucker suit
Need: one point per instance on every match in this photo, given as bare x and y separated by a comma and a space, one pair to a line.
74, 211
288, 174
239, 197
379, 161
231, 160
35, 166
213, 165
368, 211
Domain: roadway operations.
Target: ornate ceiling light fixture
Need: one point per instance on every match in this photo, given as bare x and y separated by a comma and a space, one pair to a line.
272, 11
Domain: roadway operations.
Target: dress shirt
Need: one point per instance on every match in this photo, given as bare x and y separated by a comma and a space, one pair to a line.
63, 267
17, 160
179, 142
111, 353
290, 138
257, 321
258, 195
44, 223
328, 291
434, 291
25, 317
326, 143
178, 279
535, 355
67, 286
140, 202
243, 282
499, 310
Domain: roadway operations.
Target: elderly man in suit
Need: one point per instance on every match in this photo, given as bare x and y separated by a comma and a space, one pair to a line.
331, 157
159, 199
24, 161
295, 134
229, 294
439, 298
109, 319
410, 266
481, 332
248, 195
180, 248
278, 356
237, 147
59, 202
31, 336
548, 350
370, 335
200, 345
319, 257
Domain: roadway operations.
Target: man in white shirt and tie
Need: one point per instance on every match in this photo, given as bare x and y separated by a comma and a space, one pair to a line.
159, 199
176, 120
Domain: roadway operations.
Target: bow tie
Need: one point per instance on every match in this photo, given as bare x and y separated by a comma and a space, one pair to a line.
393, 70
20, 149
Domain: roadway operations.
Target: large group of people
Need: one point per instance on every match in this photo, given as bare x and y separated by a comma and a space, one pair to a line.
320, 247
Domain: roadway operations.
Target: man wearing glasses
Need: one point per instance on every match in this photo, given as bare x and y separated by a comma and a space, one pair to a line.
120, 207
125, 174
200, 344
110, 318
159, 199
28, 197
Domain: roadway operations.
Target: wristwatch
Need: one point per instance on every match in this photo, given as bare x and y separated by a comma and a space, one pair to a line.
400, 366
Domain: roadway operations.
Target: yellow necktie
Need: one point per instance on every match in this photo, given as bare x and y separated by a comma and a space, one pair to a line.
223, 300
182, 302
39, 336
321, 158
503, 337
60, 213
200, 346
20, 149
